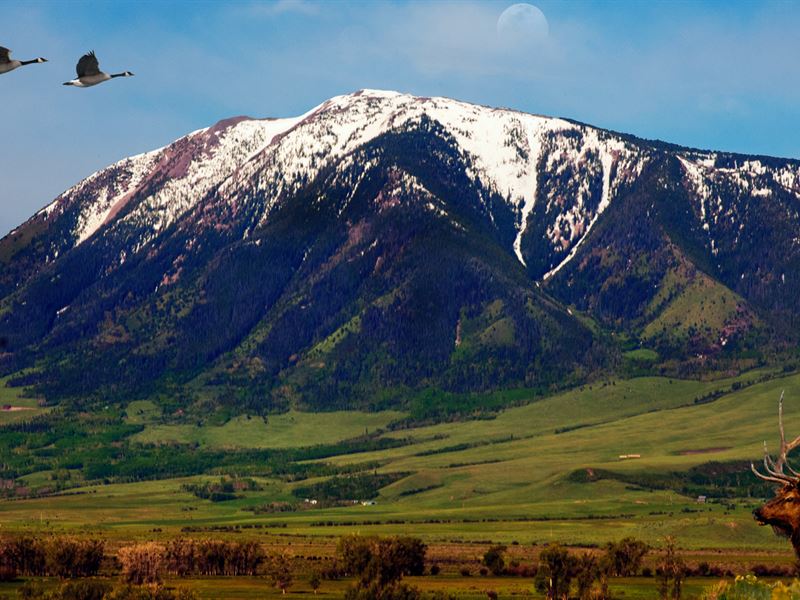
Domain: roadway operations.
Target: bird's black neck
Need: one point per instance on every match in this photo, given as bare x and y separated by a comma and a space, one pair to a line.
29, 62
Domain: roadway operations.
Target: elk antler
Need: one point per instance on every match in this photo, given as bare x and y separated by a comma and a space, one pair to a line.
775, 468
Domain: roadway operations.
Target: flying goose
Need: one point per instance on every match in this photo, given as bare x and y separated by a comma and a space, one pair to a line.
7, 64
89, 72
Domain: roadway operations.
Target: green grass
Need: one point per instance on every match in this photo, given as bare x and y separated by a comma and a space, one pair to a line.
504, 479
703, 306
330, 342
290, 430
462, 588
141, 412
16, 398
642, 355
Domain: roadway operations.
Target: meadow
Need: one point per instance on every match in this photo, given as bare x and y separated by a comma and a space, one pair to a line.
521, 477
471, 588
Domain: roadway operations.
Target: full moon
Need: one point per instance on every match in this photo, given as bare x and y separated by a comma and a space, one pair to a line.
522, 23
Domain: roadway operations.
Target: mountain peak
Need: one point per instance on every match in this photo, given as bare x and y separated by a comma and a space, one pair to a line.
428, 229
506, 151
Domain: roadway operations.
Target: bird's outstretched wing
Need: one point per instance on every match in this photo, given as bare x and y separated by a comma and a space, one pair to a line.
5, 55
88, 65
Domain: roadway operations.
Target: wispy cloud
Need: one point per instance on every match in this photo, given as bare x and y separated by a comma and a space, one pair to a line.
281, 7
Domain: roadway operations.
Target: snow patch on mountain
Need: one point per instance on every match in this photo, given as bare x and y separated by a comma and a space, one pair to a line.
503, 147
106, 190
570, 172
592, 155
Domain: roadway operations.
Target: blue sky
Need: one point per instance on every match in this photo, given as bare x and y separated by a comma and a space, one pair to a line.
720, 75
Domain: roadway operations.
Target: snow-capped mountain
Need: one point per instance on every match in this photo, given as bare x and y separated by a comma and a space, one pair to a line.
276, 157
146, 257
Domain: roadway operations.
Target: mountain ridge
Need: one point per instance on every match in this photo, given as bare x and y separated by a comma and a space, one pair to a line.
346, 205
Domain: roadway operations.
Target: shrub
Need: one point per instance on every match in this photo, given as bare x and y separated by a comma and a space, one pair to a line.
99, 590
435, 570
744, 588
494, 559
150, 592
82, 589
314, 581
374, 591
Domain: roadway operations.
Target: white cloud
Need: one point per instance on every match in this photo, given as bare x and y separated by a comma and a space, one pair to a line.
280, 7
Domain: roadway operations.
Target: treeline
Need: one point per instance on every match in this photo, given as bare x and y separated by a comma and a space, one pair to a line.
227, 488
181, 557
731, 479
376, 565
363, 486
52, 557
70, 558
98, 445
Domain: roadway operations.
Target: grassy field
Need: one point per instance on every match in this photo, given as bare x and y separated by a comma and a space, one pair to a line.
15, 406
471, 588
503, 479
515, 478
290, 430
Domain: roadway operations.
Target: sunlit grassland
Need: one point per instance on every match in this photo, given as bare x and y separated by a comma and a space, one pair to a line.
14, 397
290, 430
503, 479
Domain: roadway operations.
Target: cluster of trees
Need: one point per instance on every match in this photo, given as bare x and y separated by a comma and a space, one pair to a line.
55, 557
590, 573
558, 569
144, 563
379, 565
714, 479
98, 445
226, 488
359, 486
148, 562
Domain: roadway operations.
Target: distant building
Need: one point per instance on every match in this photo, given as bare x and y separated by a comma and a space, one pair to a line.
628, 456
701, 499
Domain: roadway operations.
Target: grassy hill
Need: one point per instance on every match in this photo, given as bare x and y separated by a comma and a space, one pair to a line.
516, 477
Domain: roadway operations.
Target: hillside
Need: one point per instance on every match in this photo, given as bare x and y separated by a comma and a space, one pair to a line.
383, 245
549, 470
